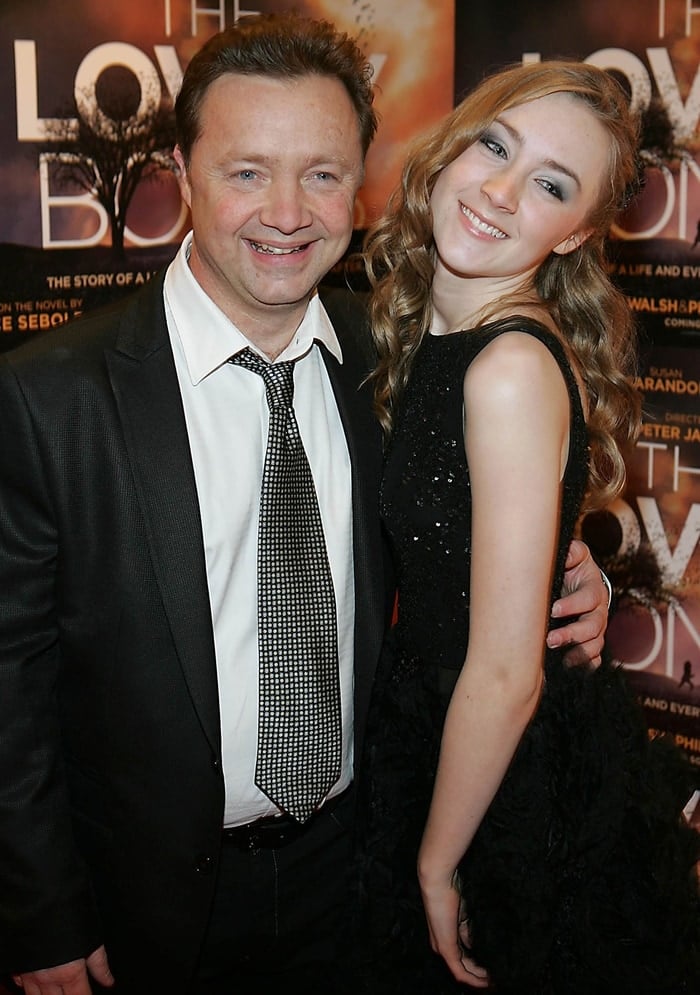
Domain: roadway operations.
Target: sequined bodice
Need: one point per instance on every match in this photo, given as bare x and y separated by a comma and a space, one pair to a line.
426, 500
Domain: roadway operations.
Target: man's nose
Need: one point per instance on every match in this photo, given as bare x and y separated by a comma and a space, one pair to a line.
286, 207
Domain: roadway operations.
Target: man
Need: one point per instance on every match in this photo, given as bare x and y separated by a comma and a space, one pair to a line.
137, 844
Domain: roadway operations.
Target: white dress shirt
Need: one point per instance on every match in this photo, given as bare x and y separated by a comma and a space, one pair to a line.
227, 417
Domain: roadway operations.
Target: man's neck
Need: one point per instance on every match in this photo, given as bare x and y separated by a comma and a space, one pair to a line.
271, 336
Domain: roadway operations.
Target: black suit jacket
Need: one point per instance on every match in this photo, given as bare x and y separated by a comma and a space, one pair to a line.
111, 790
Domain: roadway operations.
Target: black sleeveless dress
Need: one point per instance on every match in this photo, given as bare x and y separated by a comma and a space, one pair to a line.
580, 879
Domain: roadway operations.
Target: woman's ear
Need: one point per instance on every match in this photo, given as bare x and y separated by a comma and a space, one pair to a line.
572, 242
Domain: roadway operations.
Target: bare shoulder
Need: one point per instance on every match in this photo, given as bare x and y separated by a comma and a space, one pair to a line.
514, 366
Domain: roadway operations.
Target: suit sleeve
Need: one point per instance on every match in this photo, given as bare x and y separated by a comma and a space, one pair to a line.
47, 914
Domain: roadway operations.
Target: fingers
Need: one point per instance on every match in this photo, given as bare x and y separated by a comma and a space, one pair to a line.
584, 638
98, 966
44, 983
587, 631
67, 979
478, 975
587, 599
449, 933
584, 591
584, 634
579, 656
471, 973
464, 968
577, 554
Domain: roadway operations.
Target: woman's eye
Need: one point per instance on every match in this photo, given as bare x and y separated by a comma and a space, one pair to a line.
493, 145
552, 188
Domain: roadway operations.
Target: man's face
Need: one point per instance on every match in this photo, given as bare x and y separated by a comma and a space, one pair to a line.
271, 185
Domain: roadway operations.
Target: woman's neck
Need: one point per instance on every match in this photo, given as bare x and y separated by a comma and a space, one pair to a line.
460, 302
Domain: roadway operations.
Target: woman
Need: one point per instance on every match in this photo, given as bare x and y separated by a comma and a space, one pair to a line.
553, 856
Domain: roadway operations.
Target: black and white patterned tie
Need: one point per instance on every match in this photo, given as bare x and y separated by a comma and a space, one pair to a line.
299, 722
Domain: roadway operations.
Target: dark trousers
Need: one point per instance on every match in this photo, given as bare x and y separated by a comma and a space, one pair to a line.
279, 916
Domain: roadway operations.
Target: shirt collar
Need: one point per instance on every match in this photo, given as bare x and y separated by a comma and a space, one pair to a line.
208, 338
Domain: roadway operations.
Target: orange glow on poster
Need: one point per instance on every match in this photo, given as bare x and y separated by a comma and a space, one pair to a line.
412, 45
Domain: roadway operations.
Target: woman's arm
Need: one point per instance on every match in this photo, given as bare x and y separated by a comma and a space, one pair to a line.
517, 423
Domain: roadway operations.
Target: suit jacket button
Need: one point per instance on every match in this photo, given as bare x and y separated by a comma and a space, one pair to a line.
205, 864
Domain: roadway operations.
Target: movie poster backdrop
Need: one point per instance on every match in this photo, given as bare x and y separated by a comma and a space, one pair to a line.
84, 76
89, 204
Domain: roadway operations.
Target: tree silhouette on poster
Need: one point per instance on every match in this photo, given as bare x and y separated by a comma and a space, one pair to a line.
112, 140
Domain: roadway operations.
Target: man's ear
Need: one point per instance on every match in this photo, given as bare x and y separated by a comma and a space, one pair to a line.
182, 177
572, 242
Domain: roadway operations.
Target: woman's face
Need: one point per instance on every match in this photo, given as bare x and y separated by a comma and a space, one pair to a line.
521, 191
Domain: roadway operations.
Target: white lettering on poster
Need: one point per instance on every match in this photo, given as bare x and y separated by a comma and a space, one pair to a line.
33, 128
684, 117
673, 565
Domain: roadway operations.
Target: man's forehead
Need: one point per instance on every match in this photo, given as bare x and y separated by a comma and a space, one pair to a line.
262, 109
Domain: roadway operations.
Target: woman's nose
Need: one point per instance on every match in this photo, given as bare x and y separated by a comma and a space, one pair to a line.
502, 189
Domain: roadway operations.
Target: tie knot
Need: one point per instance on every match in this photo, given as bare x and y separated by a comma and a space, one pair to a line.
277, 377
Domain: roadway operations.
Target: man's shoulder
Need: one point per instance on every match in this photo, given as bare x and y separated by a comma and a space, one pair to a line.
347, 310
348, 305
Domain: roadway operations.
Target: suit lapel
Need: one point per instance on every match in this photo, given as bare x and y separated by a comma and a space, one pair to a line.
363, 437
144, 381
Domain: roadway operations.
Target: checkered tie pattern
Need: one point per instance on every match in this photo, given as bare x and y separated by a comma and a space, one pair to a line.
299, 723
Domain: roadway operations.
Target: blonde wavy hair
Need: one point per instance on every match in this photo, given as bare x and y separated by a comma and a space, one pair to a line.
592, 316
